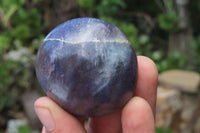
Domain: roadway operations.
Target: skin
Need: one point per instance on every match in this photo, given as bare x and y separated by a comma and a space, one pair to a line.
136, 117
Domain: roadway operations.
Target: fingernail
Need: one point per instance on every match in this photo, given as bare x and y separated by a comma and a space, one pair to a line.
45, 118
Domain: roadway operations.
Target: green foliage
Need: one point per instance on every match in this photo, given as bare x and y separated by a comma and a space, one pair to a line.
6, 99
5, 41
143, 39
127, 28
22, 24
21, 32
9, 9
141, 43
26, 24
198, 5
19, 27
110, 7
196, 46
162, 130
168, 21
109, 10
157, 56
7, 4
24, 129
86, 4
174, 61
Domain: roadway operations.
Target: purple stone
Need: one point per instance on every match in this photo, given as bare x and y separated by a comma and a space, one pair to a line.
88, 67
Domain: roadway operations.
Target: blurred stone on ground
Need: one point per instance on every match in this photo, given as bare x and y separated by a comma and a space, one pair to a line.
189, 113
187, 81
17, 55
28, 100
14, 124
178, 102
168, 104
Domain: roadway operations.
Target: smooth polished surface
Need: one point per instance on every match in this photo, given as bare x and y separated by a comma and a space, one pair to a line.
87, 66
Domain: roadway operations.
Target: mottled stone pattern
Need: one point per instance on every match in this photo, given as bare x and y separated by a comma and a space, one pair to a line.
87, 66
178, 101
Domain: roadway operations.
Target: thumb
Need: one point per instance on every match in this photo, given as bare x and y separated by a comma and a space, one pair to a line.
55, 119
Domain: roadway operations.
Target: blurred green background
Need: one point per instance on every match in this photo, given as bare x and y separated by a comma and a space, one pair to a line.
167, 31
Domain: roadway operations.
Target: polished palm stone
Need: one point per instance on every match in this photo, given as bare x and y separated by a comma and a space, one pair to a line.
88, 67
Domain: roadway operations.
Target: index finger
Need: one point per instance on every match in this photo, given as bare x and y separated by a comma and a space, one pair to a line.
147, 81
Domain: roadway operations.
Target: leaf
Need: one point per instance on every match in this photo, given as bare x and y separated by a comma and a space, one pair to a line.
21, 32
110, 7
9, 14
157, 55
162, 130
4, 42
24, 129
86, 4
143, 39
168, 21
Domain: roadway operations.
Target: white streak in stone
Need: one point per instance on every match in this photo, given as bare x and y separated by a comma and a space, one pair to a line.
93, 41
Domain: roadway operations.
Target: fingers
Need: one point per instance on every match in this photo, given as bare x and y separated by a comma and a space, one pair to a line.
106, 124
55, 119
147, 81
146, 88
137, 117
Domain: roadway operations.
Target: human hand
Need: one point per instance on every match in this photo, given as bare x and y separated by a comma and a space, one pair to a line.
137, 116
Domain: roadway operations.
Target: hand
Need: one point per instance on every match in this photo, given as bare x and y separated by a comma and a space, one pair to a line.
136, 117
